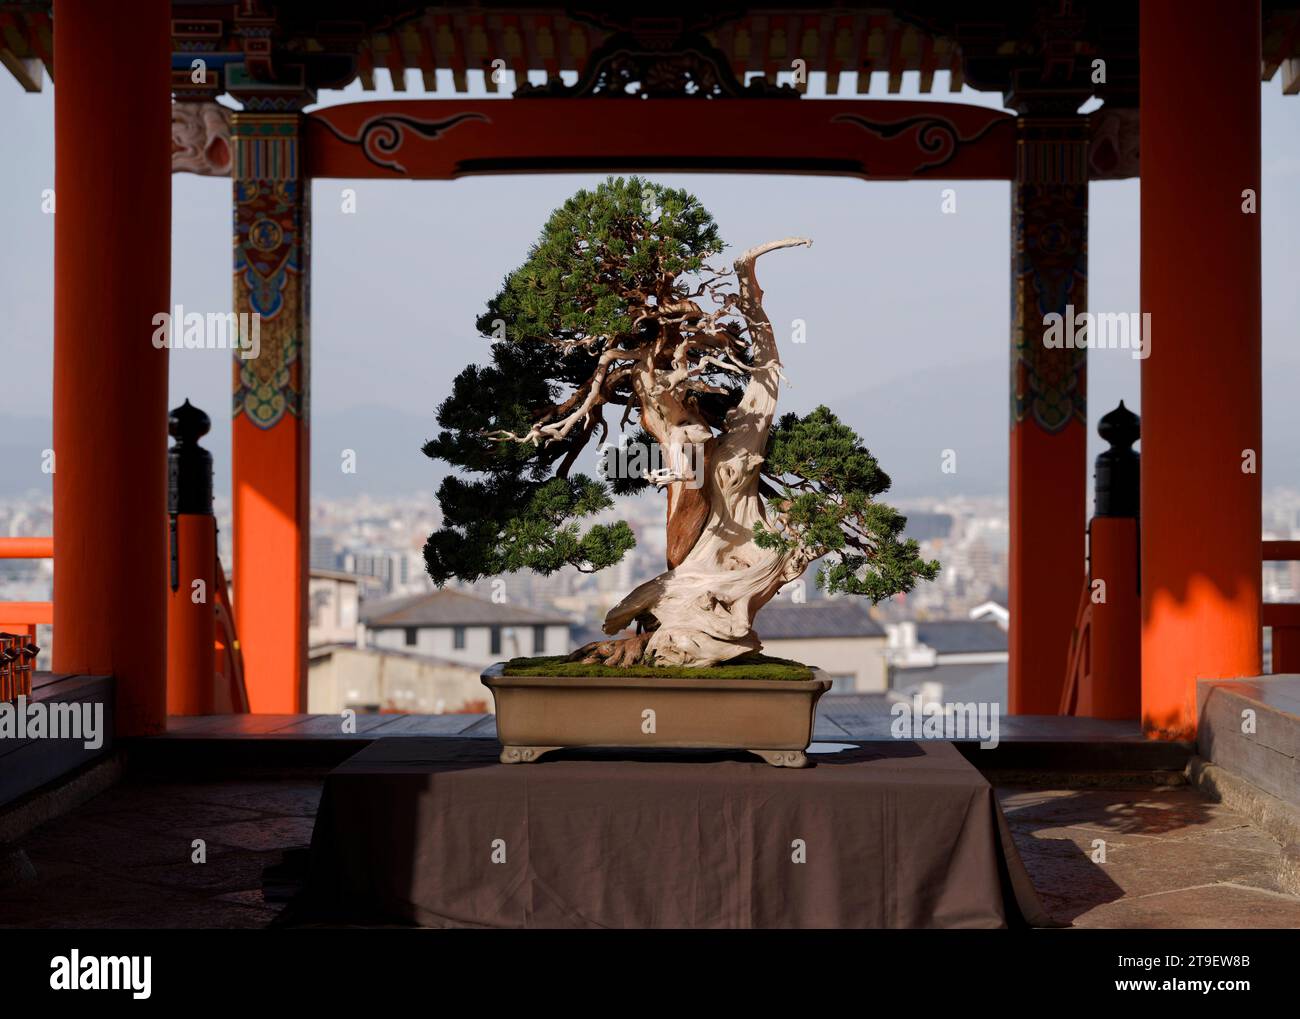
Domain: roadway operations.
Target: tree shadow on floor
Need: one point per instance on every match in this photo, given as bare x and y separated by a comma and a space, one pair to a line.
1068, 867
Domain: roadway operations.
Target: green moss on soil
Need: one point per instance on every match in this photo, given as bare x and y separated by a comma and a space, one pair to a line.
748, 667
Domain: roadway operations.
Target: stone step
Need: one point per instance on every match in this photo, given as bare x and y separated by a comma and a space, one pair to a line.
27, 764
1251, 727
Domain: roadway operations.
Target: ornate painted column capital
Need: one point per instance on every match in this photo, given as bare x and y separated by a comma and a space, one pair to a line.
1049, 270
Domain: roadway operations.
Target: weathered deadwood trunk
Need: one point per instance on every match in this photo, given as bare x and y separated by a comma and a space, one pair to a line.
701, 610
674, 425
688, 512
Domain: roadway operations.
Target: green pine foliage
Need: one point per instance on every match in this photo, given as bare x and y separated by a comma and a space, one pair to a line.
603, 258
826, 486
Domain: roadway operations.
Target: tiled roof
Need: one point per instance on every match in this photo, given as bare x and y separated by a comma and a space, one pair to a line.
452, 608
340, 575
961, 636
821, 617
322, 651
966, 683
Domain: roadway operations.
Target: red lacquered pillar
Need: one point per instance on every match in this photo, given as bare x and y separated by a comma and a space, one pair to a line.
1048, 443
1201, 415
112, 275
270, 435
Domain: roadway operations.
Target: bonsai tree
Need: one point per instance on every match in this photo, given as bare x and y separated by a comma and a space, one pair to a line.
617, 319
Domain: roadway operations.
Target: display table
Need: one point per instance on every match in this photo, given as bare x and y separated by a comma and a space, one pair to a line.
437, 832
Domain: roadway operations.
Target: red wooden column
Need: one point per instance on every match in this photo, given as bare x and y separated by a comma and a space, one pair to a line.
270, 438
1201, 418
112, 275
1049, 236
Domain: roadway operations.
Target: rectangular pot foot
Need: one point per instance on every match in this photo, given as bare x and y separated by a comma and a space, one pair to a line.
523, 755
783, 758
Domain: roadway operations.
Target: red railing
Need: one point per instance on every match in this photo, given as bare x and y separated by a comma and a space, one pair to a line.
18, 622
23, 616
19, 619
1283, 617
229, 657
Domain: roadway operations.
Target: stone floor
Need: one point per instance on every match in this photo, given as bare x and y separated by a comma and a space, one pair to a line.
125, 858
1172, 858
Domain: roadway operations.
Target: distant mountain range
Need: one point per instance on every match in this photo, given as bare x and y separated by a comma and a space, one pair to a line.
907, 423
23, 441
386, 443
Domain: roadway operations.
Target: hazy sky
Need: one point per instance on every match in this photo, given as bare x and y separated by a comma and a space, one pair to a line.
891, 287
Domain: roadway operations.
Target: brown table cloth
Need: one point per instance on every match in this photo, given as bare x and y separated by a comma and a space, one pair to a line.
436, 832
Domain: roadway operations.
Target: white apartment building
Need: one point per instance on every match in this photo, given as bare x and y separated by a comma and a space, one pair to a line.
333, 604
837, 635
457, 627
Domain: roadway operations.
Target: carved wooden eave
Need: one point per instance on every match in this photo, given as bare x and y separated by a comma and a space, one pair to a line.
27, 43
743, 51
1038, 54
201, 139
329, 43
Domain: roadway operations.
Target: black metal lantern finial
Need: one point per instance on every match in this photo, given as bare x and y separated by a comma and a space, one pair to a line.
189, 465
1118, 468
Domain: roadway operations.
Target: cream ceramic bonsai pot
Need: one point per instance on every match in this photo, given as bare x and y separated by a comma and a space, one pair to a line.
772, 718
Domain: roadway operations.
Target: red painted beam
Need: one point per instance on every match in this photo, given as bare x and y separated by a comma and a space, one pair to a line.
26, 548
16, 614
1284, 614
1281, 551
443, 139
